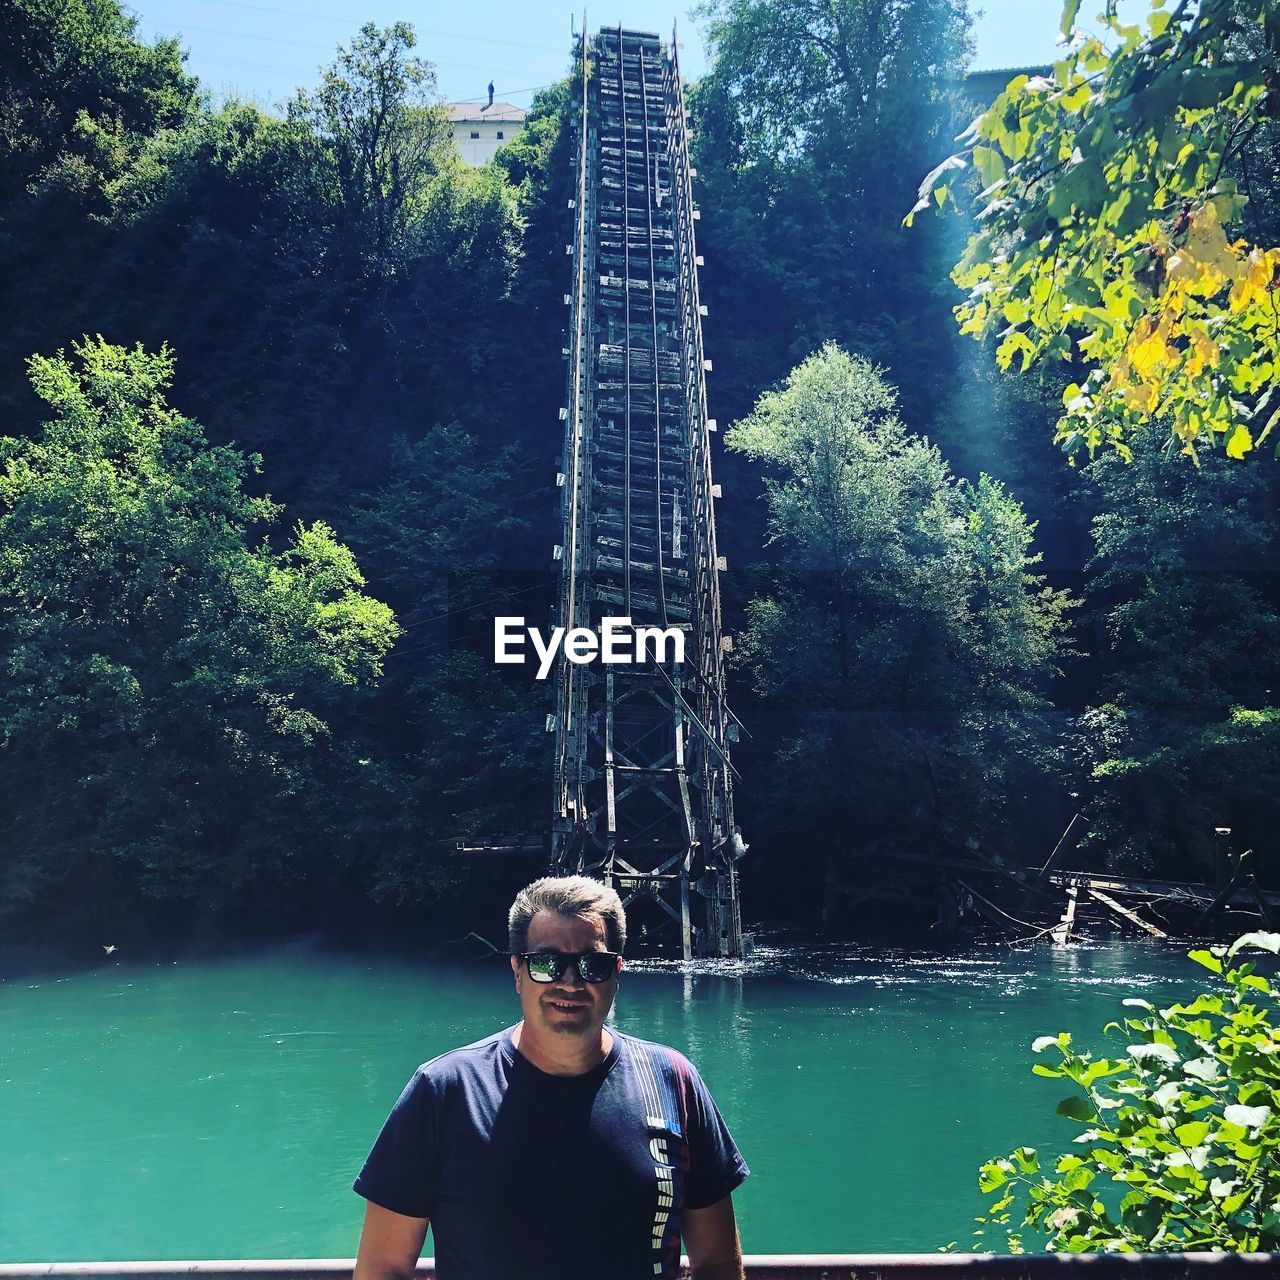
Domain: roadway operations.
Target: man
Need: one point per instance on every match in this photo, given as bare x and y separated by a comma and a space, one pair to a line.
556, 1149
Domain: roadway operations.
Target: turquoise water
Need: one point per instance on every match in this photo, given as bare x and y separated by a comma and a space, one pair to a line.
220, 1109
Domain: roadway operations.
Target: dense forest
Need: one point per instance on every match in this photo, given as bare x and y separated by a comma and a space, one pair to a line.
280, 397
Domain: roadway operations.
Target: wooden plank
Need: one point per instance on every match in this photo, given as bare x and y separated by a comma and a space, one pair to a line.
1131, 916
1062, 930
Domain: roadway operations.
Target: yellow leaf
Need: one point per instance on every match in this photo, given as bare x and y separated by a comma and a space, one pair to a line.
1141, 396
1149, 348
1240, 443
1205, 237
1015, 341
1206, 261
1204, 353
1173, 301
1254, 279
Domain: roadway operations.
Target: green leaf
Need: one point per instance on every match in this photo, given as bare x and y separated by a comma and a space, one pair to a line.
1097, 1070
1201, 1068
1246, 1117
1206, 958
1075, 1107
1240, 443
950, 164
1192, 1134
1069, 11
1262, 941
1154, 1053
993, 1174
990, 165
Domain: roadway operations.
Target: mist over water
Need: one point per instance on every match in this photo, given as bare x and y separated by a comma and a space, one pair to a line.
221, 1108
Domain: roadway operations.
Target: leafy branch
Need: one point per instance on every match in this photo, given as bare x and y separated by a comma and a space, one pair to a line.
1182, 1131
1109, 190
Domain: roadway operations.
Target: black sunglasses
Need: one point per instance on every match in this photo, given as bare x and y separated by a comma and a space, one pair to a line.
549, 966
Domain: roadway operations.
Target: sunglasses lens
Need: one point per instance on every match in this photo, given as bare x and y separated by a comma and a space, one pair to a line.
596, 966
592, 966
544, 966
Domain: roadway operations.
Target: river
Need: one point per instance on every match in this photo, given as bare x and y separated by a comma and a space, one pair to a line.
220, 1108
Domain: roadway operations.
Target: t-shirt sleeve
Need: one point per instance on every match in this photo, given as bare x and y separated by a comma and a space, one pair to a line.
402, 1172
716, 1165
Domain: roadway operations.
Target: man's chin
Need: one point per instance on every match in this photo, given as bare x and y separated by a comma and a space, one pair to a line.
568, 1022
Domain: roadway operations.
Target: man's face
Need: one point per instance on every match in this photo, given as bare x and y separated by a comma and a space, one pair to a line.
568, 1006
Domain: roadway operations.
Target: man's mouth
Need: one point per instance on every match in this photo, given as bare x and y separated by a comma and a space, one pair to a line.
567, 1006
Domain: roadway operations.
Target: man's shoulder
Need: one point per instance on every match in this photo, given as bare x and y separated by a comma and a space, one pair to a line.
661, 1057
466, 1060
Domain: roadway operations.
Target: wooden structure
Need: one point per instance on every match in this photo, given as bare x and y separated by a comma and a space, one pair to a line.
959, 886
642, 775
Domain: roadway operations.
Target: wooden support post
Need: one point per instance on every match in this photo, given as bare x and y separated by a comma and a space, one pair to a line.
1062, 930
1224, 895
1264, 910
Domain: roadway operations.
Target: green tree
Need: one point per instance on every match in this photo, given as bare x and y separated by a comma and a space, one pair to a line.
1184, 733
471, 755
1181, 1132
384, 134
806, 127
1116, 230
808, 73
172, 686
902, 623
79, 95
305, 339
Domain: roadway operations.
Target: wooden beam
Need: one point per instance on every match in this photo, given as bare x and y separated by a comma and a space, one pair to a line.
1078, 825
1125, 913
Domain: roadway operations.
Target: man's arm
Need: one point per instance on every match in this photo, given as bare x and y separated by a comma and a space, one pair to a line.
390, 1245
710, 1238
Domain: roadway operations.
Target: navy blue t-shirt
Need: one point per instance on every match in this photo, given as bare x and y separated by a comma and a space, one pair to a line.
530, 1176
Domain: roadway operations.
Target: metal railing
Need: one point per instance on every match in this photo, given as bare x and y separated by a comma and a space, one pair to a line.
763, 1266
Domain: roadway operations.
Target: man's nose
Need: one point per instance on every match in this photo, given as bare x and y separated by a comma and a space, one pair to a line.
571, 977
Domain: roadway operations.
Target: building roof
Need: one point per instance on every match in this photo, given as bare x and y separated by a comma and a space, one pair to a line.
1030, 69
989, 83
470, 112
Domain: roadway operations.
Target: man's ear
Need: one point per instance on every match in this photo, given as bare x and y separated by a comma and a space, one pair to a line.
515, 970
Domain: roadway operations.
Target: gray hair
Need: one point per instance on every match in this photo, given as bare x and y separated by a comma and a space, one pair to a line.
567, 896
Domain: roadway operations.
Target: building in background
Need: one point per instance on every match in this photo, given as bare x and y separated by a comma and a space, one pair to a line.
480, 130
985, 87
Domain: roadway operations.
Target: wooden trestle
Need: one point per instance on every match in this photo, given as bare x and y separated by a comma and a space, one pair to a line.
643, 780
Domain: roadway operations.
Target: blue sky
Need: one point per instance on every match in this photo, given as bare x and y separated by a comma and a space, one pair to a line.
262, 49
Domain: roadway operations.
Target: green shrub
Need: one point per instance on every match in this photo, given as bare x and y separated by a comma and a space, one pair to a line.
1180, 1146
